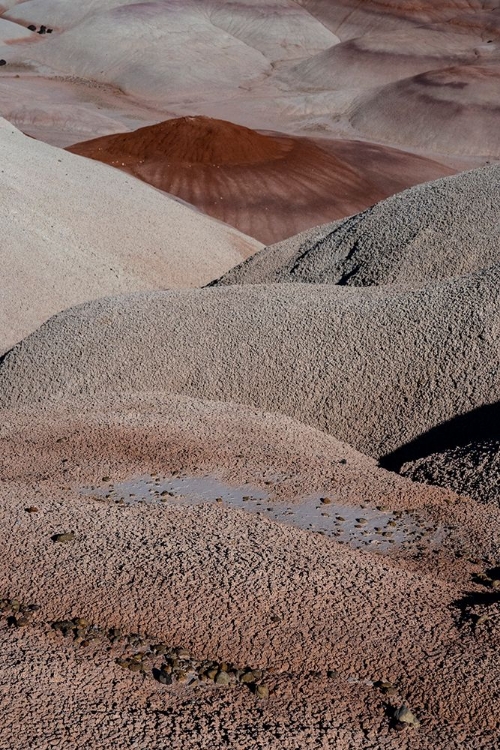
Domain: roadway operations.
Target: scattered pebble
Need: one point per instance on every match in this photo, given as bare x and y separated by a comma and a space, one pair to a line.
403, 715
66, 536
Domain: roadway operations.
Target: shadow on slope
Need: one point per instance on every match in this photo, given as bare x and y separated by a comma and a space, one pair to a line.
475, 426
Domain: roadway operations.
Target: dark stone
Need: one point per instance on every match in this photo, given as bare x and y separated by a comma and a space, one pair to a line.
43, 30
31, 27
162, 677
68, 536
3, 62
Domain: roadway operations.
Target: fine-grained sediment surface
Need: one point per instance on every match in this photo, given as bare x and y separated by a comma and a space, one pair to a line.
337, 638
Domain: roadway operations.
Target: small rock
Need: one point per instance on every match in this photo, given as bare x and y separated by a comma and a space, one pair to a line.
404, 716
31, 509
262, 692
165, 678
248, 678
384, 684
20, 621
81, 622
325, 501
212, 674
31, 27
481, 620
67, 536
159, 648
135, 666
3, 62
222, 678
63, 625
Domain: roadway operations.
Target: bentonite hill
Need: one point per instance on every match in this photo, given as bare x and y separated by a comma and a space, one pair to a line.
249, 375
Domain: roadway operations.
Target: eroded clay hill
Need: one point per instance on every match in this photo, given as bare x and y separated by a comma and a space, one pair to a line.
418, 76
268, 186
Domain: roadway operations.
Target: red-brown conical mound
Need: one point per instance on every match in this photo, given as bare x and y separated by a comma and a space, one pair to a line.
191, 140
268, 186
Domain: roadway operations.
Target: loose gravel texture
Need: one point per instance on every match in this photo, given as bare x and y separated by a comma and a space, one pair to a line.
439, 229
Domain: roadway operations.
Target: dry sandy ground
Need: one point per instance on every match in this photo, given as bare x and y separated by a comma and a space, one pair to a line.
74, 230
230, 586
421, 76
267, 186
432, 231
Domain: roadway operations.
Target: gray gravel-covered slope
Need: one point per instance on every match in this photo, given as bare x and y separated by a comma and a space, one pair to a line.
377, 368
432, 231
472, 469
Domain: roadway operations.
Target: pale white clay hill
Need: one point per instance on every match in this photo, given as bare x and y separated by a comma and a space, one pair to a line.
74, 230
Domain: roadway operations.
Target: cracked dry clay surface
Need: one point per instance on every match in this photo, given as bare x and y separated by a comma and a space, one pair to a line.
230, 585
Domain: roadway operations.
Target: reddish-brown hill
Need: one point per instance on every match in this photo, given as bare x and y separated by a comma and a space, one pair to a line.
268, 186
